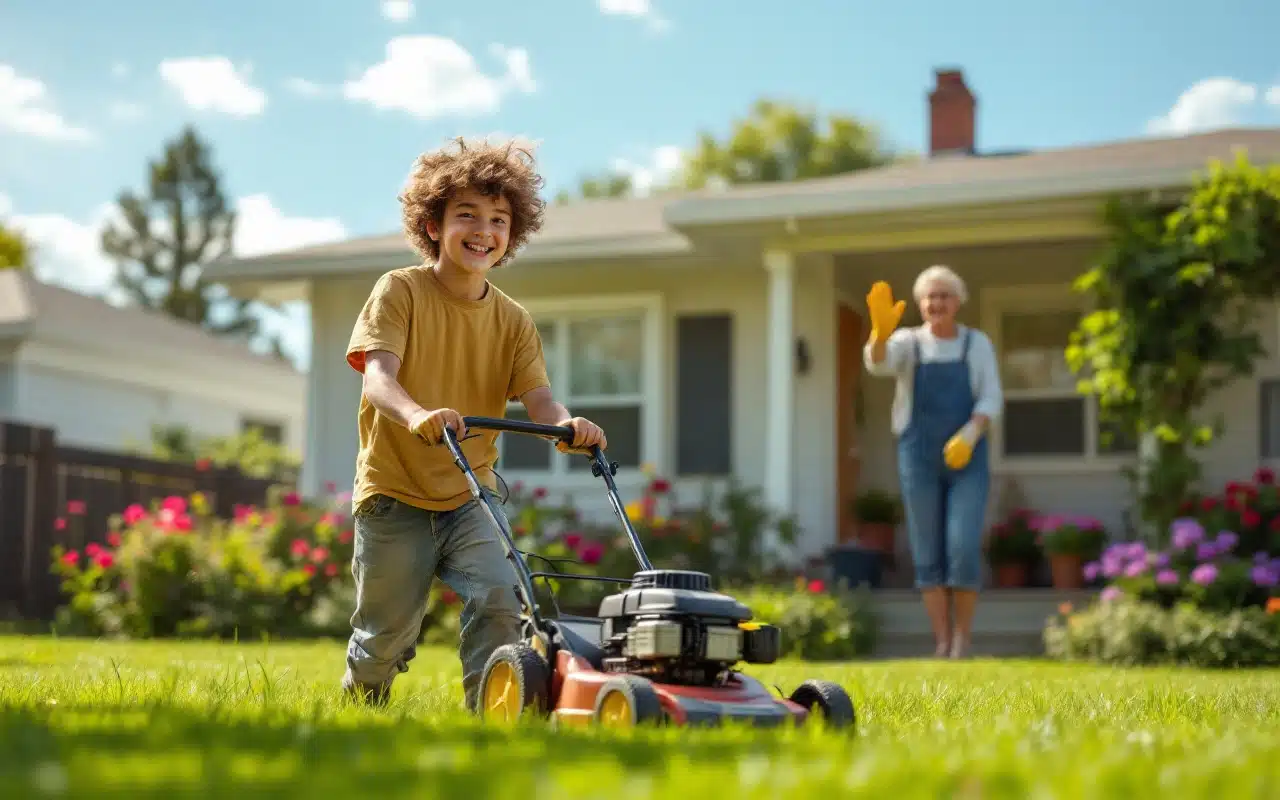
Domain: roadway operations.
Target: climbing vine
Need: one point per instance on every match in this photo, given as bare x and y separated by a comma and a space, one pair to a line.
1176, 297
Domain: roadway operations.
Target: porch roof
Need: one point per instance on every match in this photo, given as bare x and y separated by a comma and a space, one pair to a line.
660, 225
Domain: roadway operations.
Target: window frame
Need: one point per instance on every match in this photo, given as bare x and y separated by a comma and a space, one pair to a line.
561, 311
1049, 298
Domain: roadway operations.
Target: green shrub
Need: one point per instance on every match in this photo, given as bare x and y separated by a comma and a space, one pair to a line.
1131, 632
816, 624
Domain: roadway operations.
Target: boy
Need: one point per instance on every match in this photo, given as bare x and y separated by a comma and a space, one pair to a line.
436, 342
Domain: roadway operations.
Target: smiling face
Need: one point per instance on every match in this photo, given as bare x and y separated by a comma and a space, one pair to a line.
474, 231
938, 303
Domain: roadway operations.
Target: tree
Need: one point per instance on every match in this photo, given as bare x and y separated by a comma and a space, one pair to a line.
1176, 295
609, 184
15, 252
169, 233
780, 142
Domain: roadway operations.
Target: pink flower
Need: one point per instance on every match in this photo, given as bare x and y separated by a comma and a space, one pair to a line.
134, 514
291, 499
1204, 574
319, 554
344, 537
331, 570
104, 559
71, 558
113, 539
1110, 594
816, 586
591, 553
300, 547
1166, 577
75, 507
59, 524
572, 540
539, 493
92, 549
241, 512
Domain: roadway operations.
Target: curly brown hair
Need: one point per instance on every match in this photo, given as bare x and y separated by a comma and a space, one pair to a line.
493, 170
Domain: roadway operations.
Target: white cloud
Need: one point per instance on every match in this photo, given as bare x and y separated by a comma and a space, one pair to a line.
126, 112
657, 170
431, 77
1273, 95
213, 84
304, 87
397, 10
26, 108
637, 9
1208, 104
68, 253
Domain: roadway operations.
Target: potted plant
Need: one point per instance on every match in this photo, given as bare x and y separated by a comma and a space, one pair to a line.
1012, 550
1070, 542
878, 514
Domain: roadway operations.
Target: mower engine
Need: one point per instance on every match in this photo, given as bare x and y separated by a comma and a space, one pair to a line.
671, 627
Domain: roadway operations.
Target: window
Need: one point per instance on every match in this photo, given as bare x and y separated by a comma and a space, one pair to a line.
1045, 417
271, 431
602, 366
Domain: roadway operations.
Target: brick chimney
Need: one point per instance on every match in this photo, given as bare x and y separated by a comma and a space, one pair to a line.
951, 114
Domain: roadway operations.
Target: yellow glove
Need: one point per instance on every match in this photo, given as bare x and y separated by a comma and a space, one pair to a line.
959, 448
884, 313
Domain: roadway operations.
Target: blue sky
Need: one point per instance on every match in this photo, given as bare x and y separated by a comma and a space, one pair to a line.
89, 90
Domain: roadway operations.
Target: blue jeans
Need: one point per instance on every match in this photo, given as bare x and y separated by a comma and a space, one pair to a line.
945, 515
399, 551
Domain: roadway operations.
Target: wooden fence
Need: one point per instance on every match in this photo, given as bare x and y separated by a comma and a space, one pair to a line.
39, 480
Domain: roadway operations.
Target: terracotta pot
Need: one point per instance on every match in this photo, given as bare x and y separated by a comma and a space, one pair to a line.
1067, 570
1011, 576
878, 536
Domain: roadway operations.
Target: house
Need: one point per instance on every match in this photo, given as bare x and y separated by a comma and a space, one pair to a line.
719, 333
101, 376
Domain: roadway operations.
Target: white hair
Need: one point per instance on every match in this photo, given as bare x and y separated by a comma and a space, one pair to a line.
944, 275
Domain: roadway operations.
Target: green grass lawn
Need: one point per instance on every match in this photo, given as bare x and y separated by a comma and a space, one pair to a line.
92, 719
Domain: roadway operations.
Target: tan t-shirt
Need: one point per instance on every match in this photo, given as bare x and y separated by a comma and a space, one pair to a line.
468, 355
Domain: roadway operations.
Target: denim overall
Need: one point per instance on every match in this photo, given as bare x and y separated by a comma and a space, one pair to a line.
945, 508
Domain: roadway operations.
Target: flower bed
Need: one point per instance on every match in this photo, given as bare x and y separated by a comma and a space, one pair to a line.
1211, 598
175, 570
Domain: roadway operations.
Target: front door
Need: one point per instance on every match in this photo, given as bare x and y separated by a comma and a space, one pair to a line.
849, 341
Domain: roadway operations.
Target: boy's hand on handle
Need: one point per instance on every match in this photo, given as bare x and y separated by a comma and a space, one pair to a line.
430, 425
586, 434
885, 314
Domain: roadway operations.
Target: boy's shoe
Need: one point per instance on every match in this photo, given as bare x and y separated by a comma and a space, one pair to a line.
375, 696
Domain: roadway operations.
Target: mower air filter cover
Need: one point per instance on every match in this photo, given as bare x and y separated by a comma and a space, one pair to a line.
688, 580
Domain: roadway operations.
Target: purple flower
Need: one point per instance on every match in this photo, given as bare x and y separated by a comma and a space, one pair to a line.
1109, 594
1186, 532
1226, 541
1261, 558
1265, 576
1204, 574
1166, 577
1135, 569
1112, 567
1137, 550
1161, 560
1091, 570
1206, 551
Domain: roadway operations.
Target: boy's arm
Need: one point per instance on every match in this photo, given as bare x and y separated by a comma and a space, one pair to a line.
544, 409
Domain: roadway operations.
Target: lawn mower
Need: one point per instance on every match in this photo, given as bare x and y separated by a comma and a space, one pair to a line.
664, 650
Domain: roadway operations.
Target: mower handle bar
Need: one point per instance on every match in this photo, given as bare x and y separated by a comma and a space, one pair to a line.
560, 432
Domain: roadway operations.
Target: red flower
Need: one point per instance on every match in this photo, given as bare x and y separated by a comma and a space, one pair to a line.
202, 464
1275, 524
572, 540
448, 596
1186, 507
539, 493
175, 504
591, 553
344, 537
660, 486
104, 559
134, 514
331, 570
816, 586
1208, 504
113, 539
310, 569
59, 524
300, 547
1233, 502
71, 558
1251, 518
1264, 476
319, 554
330, 487
75, 507
291, 499
92, 549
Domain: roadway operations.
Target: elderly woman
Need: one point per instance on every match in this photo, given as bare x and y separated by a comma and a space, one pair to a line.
947, 394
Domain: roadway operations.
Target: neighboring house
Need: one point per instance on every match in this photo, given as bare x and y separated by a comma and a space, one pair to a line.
719, 333
101, 376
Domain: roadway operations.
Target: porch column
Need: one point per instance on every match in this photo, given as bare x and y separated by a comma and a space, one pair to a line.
780, 372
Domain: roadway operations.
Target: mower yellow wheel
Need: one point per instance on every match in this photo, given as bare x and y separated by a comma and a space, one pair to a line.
628, 701
515, 679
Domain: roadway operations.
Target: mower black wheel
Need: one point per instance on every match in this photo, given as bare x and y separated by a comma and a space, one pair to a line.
628, 701
829, 698
516, 679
